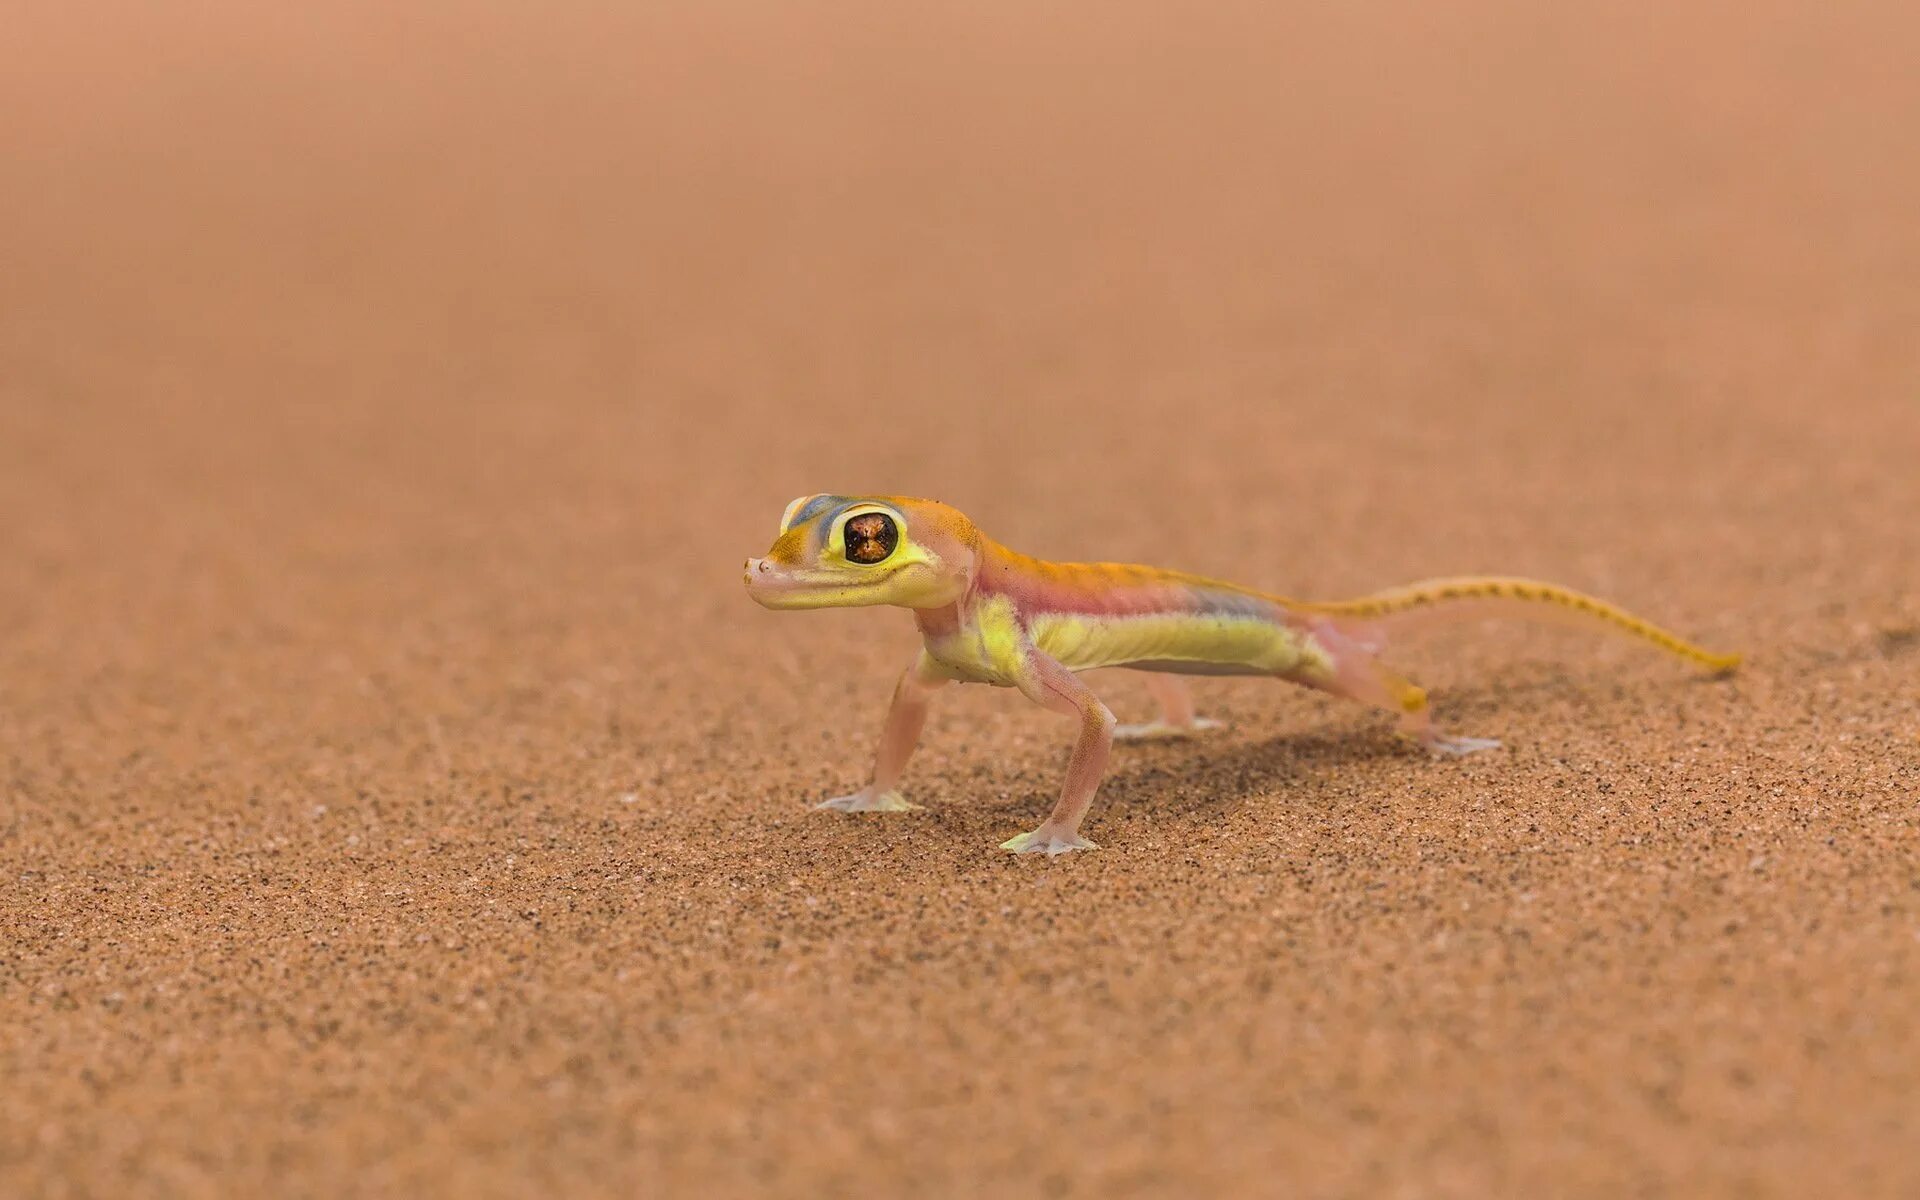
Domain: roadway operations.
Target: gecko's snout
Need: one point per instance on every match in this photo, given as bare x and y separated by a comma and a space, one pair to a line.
766, 581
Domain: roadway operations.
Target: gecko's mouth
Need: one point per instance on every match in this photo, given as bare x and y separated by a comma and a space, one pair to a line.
774, 586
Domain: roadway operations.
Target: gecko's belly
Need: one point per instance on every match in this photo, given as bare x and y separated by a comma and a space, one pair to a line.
1212, 644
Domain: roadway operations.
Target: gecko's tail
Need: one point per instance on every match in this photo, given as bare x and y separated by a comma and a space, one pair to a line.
1443, 601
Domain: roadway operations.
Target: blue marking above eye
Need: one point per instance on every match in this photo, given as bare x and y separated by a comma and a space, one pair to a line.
812, 509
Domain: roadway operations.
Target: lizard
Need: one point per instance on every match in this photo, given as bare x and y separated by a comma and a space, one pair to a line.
990, 614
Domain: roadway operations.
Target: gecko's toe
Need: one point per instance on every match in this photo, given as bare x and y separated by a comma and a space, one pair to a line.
869, 802
1048, 841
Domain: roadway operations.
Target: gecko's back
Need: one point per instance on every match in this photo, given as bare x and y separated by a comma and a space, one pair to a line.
1089, 615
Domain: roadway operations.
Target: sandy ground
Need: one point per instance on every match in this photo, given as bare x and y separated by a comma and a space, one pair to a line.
398, 794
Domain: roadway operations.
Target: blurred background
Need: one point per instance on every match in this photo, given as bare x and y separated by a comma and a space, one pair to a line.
274, 276
388, 394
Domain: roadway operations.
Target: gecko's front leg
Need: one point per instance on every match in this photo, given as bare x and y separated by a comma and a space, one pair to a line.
905, 718
1051, 685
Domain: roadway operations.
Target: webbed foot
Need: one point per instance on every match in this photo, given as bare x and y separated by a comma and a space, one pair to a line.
1154, 730
1441, 745
868, 800
1049, 841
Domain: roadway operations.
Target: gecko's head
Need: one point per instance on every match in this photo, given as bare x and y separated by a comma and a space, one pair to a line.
849, 551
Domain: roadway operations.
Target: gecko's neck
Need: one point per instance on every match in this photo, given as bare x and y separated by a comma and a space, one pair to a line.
937, 623
990, 561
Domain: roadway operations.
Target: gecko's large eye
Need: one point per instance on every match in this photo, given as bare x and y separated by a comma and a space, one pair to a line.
871, 537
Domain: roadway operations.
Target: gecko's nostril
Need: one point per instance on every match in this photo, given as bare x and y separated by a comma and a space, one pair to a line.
765, 566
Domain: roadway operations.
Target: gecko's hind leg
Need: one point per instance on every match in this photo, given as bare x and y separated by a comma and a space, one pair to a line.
1177, 719
1358, 675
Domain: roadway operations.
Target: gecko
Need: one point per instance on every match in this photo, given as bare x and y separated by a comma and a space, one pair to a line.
989, 614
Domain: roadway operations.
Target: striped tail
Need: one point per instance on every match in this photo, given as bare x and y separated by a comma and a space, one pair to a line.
1445, 600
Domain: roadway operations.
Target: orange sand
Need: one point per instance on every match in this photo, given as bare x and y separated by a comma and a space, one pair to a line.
397, 793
